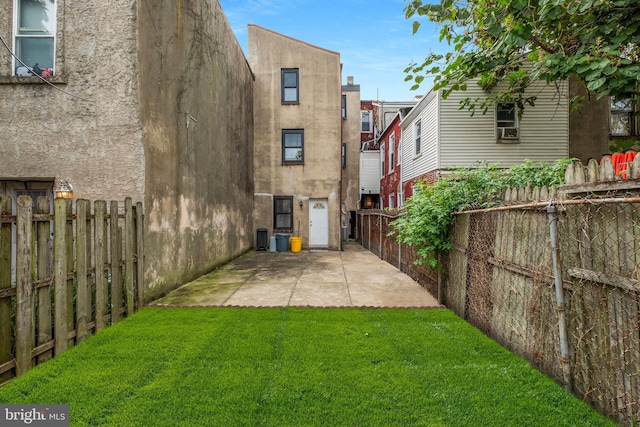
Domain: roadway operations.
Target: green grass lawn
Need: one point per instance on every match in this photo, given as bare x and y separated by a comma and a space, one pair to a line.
297, 367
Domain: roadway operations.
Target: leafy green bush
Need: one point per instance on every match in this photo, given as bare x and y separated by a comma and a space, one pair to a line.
624, 145
427, 218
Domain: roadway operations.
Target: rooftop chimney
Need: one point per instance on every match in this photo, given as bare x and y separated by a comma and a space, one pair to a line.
349, 80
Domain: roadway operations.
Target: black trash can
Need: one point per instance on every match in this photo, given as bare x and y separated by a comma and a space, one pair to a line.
262, 239
282, 242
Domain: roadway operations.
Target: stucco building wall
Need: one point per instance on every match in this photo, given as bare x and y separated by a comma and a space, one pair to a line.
197, 118
93, 137
317, 112
161, 111
351, 129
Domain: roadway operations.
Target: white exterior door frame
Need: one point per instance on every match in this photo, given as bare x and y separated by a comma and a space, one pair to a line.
318, 223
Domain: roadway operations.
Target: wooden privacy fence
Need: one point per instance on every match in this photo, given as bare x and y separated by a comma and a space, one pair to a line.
554, 276
64, 275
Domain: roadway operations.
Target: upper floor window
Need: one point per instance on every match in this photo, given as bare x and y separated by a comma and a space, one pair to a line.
507, 121
292, 145
622, 121
35, 37
366, 121
344, 106
290, 86
383, 171
417, 136
392, 153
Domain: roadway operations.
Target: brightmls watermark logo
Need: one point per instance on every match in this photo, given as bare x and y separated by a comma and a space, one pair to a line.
34, 415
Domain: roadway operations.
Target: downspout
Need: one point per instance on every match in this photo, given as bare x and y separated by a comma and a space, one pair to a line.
562, 319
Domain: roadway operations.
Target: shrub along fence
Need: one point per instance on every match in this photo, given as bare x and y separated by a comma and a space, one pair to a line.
64, 275
373, 228
554, 276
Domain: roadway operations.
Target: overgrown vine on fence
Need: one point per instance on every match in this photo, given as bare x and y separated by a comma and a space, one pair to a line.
425, 223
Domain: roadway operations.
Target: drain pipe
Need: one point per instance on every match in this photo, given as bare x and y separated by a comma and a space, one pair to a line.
552, 215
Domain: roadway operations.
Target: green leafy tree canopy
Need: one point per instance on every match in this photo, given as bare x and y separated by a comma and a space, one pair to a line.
515, 43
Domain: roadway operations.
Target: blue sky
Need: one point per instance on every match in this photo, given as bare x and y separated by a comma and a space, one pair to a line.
373, 37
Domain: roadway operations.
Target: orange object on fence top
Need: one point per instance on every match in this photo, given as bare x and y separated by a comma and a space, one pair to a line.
621, 162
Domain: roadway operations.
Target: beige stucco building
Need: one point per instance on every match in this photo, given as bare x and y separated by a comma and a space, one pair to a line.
152, 101
297, 138
351, 131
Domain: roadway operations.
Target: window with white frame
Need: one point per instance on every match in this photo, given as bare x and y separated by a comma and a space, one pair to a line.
392, 201
392, 151
417, 136
34, 37
382, 158
507, 121
400, 196
622, 117
365, 119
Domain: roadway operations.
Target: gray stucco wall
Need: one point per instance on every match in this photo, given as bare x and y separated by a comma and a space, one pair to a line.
351, 131
94, 138
317, 113
136, 68
197, 118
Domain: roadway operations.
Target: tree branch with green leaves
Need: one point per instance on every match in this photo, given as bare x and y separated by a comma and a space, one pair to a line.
507, 45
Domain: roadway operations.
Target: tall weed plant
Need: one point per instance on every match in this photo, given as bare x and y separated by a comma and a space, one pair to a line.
425, 223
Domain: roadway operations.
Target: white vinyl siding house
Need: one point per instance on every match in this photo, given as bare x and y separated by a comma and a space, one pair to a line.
426, 112
370, 172
452, 137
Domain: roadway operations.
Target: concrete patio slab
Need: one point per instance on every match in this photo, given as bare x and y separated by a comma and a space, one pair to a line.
353, 277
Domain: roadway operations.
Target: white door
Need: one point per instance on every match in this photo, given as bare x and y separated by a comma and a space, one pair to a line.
318, 223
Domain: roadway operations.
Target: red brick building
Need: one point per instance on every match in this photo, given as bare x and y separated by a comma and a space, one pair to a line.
391, 191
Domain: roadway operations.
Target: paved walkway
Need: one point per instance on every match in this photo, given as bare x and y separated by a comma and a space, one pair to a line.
351, 278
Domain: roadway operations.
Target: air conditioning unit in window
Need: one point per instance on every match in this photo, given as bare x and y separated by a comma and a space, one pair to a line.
508, 133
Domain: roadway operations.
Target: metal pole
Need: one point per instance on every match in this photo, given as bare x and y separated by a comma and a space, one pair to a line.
562, 319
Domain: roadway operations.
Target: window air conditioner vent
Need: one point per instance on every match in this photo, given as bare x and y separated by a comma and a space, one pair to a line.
508, 133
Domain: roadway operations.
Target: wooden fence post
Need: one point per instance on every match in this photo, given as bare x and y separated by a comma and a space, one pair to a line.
380, 218
83, 297
24, 286
140, 254
116, 280
100, 250
128, 255
70, 278
6, 336
45, 333
60, 275
369, 230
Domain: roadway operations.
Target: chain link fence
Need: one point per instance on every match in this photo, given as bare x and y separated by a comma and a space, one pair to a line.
578, 319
